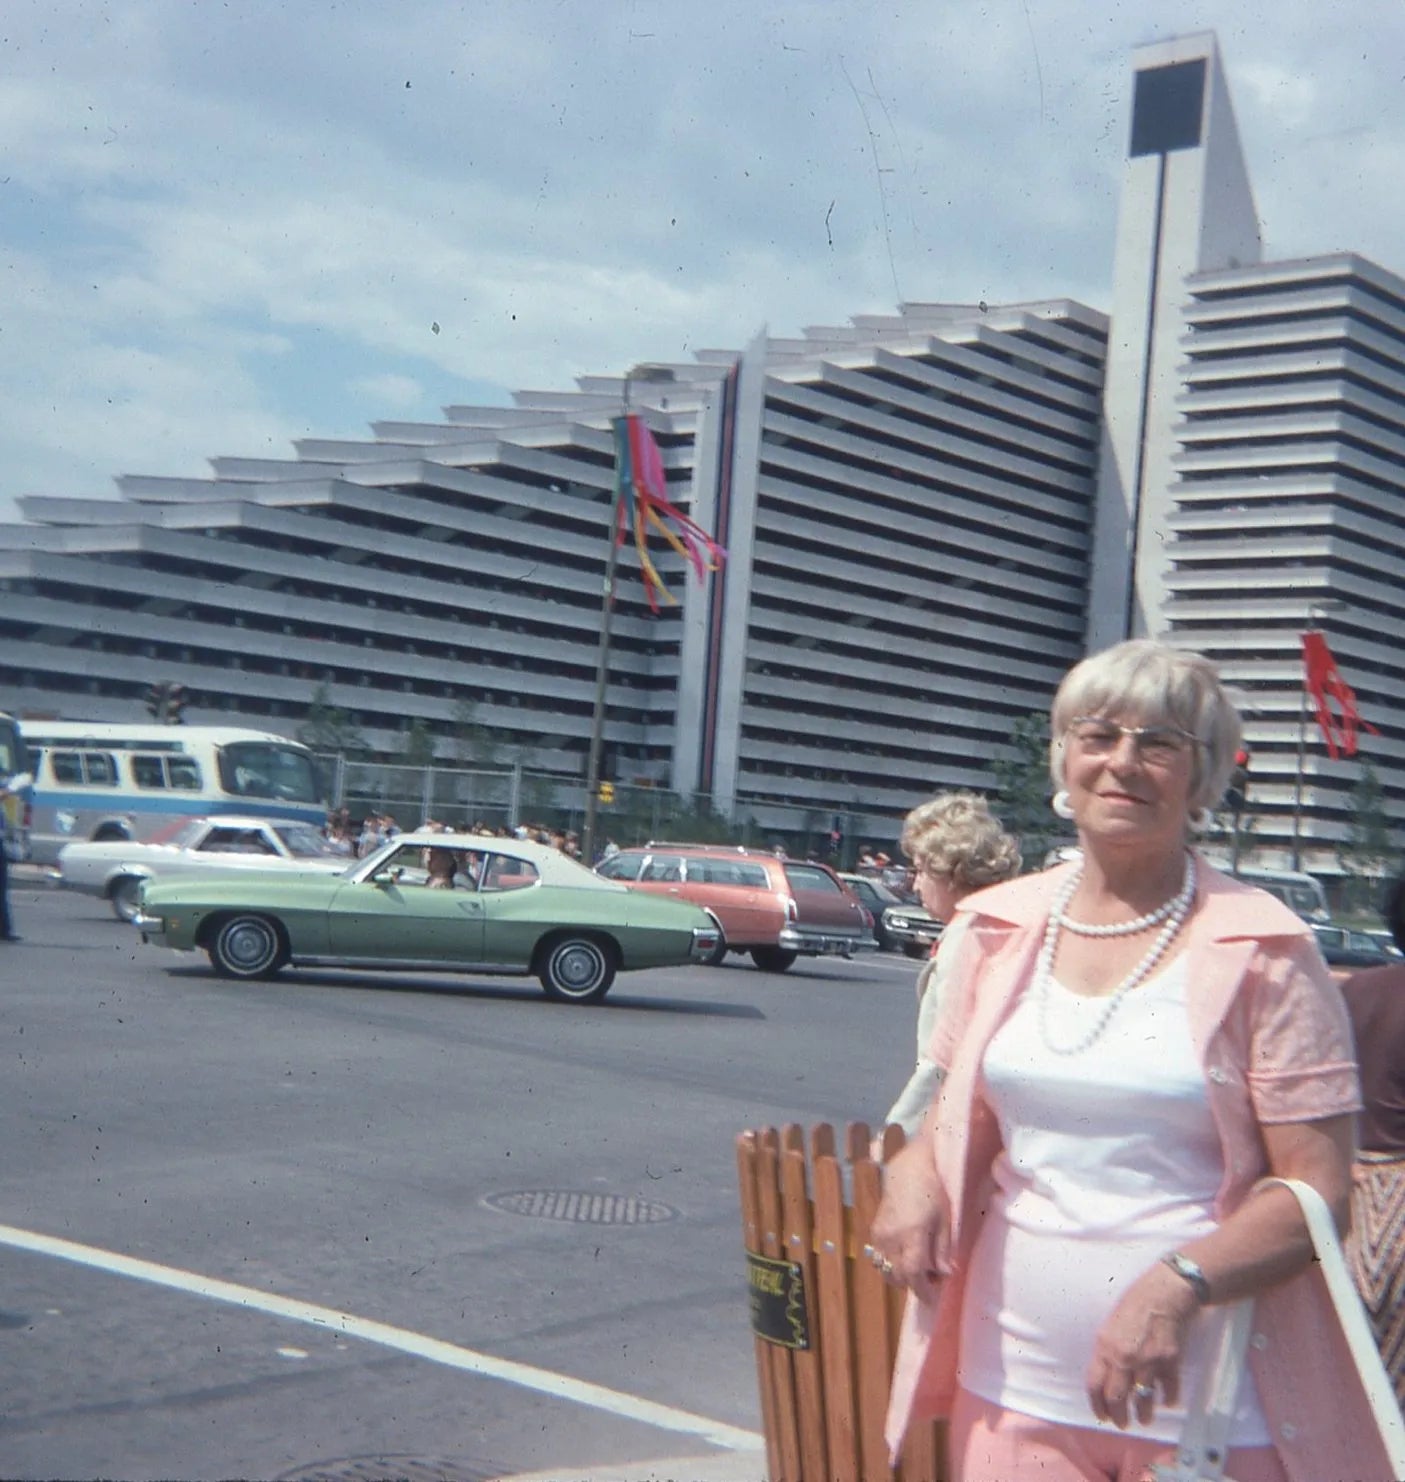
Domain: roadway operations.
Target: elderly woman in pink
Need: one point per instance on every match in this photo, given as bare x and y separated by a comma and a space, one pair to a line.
1130, 1042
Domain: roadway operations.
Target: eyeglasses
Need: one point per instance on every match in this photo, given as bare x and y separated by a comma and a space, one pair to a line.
1156, 746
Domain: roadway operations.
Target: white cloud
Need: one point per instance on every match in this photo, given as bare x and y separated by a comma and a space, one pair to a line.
229, 227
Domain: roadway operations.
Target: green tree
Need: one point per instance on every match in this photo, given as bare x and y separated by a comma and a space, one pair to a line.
475, 744
1365, 854
328, 728
417, 745
1023, 790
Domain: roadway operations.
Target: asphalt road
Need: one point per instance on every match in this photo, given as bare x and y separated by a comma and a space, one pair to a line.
331, 1144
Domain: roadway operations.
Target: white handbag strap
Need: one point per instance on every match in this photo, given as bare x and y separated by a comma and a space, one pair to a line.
1210, 1411
1352, 1315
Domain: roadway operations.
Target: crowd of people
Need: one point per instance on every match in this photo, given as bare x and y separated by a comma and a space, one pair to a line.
344, 836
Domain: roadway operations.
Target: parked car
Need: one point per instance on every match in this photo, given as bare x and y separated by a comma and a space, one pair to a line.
1343, 946
513, 907
115, 869
774, 909
900, 923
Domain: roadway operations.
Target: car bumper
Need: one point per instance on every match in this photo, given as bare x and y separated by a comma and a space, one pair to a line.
152, 928
706, 940
823, 943
914, 935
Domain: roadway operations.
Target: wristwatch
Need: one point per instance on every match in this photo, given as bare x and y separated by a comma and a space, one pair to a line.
1190, 1273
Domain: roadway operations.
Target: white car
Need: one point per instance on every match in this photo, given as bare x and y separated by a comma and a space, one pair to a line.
116, 869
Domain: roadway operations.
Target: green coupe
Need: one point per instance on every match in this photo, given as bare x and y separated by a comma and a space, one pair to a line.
439, 902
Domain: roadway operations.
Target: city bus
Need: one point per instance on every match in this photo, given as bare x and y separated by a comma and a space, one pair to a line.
98, 780
16, 791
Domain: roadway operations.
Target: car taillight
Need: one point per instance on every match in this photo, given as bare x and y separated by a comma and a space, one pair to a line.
792, 911
867, 916
28, 816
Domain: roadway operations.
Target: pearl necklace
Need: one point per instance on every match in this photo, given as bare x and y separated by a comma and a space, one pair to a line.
1174, 913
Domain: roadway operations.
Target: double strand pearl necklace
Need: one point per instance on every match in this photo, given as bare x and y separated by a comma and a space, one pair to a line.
1173, 913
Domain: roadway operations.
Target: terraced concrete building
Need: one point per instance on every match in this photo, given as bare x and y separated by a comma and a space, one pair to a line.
906, 503
928, 516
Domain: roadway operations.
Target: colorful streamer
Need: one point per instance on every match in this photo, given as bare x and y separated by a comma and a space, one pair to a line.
1325, 684
642, 504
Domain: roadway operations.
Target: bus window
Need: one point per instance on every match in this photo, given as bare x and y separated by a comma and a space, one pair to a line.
185, 773
99, 769
66, 766
147, 771
263, 769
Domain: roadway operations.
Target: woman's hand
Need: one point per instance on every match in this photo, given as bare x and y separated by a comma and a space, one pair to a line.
1137, 1351
911, 1222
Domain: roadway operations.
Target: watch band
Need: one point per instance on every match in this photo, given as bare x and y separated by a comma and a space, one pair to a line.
1190, 1273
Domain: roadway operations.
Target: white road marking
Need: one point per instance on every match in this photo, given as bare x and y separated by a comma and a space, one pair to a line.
435, 1350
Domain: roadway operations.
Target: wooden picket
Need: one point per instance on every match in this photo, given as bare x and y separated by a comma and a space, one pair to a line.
823, 1407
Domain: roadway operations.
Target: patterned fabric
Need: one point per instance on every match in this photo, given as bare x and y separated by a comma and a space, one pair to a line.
1375, 1252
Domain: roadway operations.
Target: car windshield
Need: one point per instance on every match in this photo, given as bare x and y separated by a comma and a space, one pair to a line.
305, 841
883, 894
183, 836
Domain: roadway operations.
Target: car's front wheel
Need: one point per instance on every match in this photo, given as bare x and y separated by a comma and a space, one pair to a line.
248, 947
772, 959
125, 896
576, 969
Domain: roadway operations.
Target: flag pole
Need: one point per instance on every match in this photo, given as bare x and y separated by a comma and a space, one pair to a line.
602, 662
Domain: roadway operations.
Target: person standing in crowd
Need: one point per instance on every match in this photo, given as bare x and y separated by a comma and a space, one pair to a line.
1375, 1000
956, 846
1130, 1043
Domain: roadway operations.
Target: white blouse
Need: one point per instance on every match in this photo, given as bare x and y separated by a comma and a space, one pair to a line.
1110, 1159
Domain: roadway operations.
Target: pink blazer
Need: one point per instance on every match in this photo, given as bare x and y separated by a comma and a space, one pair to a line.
1273, 1037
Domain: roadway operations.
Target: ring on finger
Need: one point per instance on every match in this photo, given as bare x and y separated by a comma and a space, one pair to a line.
1144, 1391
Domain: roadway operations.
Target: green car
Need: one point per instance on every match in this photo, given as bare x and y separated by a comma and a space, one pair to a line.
439, 902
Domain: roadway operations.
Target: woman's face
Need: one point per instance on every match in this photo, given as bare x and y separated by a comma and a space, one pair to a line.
1129, 780
938, 894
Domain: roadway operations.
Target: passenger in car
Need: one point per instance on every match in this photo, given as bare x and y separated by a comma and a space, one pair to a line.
441, 865
956, 845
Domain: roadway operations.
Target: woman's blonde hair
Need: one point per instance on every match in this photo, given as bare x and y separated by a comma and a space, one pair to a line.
1152, 683
957, 836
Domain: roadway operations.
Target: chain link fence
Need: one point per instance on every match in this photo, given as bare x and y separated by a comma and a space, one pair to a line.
504, 797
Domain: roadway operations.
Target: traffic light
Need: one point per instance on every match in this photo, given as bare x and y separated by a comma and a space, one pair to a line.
607, 792
155, 700
1236, 794
174, 709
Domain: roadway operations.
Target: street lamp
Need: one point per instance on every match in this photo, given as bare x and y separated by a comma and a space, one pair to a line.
1328, 604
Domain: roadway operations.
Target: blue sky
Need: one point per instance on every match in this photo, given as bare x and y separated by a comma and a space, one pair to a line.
227, 226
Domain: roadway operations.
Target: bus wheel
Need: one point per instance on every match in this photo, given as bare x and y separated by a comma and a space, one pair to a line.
248, 947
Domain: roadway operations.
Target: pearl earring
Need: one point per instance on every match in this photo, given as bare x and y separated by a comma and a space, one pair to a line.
1061, 804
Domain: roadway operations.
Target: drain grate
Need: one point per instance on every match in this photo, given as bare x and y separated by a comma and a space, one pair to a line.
396, 1469
582, 1209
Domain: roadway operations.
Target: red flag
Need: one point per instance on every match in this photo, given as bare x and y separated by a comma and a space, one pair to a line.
643, 504
1325, 684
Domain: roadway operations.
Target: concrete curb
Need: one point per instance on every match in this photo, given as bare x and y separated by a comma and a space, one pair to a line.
731, 1466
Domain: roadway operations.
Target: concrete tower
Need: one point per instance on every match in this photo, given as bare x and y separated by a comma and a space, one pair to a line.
1186, 207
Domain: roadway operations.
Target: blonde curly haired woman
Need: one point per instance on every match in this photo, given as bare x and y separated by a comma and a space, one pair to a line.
956, 845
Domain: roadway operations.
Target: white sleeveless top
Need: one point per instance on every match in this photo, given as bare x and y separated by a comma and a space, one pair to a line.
1111, 1158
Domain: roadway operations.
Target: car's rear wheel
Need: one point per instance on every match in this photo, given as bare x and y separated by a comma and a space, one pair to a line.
917, 949
772, 959
248, 947
126, 897
576, 969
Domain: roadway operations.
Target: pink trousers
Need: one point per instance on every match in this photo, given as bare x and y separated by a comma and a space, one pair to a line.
988, 1444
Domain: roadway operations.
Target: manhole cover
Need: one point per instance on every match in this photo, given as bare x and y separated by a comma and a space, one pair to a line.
396, 1469
583, 1209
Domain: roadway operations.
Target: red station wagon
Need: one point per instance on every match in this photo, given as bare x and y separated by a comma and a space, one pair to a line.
774, 909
